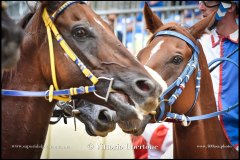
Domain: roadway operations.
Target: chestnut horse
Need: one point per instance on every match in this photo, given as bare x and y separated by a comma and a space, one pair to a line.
12, 36
174, 51
115, 79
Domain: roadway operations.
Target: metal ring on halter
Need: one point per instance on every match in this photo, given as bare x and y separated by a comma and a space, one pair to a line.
62, 103
46, 95
165, 100
189, 121
49, 93
109, 88
185, 121
153, 113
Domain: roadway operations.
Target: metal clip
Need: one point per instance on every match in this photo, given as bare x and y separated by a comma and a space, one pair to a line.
75, 111
74, 115
109, 89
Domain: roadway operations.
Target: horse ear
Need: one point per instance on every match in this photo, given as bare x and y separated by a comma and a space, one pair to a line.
152, 21
199, 28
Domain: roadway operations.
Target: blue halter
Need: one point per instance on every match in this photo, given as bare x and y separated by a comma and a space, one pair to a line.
180, 85
181, 81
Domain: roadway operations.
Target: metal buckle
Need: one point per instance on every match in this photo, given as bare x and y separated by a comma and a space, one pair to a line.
108, 91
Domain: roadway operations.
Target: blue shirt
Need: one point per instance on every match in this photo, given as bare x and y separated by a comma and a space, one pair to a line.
225, 79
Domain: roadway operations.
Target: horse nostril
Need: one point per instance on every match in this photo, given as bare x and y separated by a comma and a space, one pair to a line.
144, 85
103, 116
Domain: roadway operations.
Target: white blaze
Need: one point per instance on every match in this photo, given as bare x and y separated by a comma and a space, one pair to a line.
96, 20
156, 48
157, 78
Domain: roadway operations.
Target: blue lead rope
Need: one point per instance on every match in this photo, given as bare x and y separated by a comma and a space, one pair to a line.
64, 92
181, 81
202, 117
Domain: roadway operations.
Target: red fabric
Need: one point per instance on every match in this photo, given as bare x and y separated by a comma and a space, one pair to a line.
158, 136
142, 153
156, 140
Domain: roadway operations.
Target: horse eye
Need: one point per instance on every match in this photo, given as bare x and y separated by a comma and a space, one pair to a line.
79, 33
177, 60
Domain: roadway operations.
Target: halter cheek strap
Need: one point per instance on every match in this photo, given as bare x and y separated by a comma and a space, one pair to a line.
181, 81
50, 26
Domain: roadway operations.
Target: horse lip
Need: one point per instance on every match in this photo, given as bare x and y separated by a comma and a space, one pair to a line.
134, 132
119, 105
90, 129
124, 97
121, 98
93, 132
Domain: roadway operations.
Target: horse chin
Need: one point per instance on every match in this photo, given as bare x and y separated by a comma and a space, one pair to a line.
135, 127
134, 132
92, 131
131, 127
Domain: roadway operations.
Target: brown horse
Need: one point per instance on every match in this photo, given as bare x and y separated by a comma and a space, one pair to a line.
12, 36
168, 54
25, 118
98, 119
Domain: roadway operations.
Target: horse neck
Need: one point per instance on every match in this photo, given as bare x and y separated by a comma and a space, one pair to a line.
25, 119
202, 137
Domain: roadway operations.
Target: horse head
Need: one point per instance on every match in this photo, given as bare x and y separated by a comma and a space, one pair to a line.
175, 53
168, 60
93, 41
